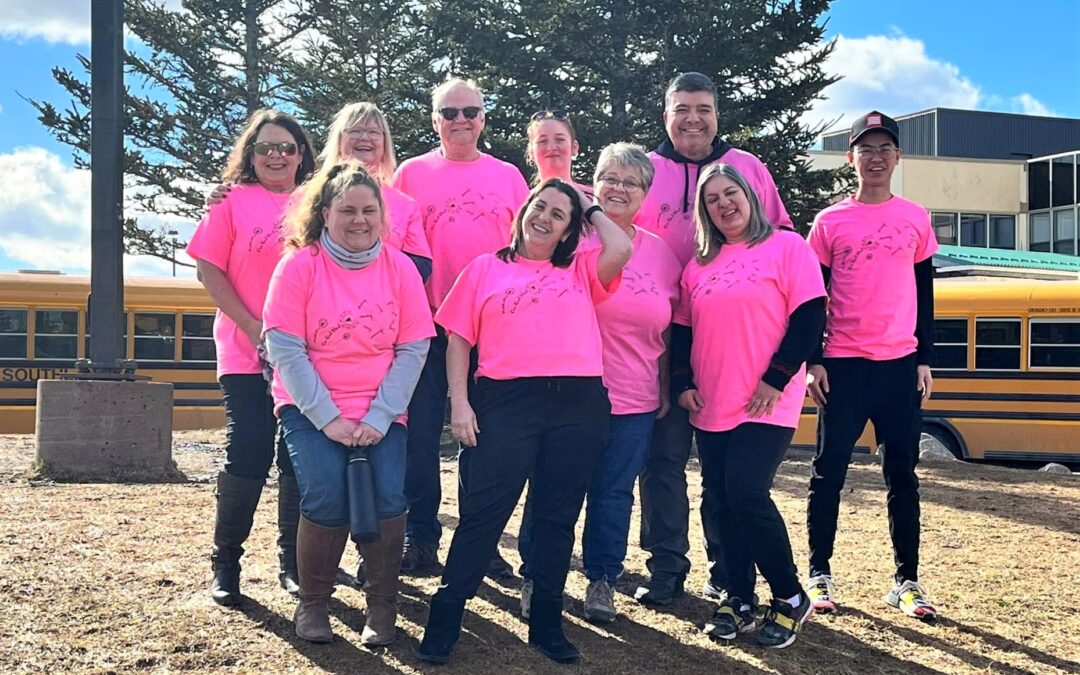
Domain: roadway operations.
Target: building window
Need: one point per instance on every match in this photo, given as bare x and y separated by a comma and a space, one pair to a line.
1003, 232
997, 344
973, 229
56, 334
1040, 232
13, 333
198, 342
1039, 185
944, 227
155, 337
1063, 182
1065, 231
1055, 343
950, 344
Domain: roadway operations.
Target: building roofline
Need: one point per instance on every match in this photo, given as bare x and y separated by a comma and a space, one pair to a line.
995, 113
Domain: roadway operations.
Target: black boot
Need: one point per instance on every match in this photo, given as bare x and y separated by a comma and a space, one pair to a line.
546, 633
237, 499
288, 516
442, 631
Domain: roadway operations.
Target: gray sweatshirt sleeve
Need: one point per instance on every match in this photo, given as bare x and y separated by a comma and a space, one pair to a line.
397, 387
288, 355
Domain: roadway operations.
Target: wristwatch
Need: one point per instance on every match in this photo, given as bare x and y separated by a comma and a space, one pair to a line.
591, 210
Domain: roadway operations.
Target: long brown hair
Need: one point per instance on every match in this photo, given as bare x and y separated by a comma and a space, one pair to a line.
239, 169
304, 220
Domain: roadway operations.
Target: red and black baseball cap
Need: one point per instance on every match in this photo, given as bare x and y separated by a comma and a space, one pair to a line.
875, 121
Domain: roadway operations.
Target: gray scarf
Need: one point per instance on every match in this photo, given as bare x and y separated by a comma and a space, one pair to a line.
345, 257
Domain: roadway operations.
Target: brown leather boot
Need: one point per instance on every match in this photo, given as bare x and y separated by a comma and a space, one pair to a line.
318, 550
382, 565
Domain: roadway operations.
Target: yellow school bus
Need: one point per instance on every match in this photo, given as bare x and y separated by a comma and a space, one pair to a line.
168, 331
1006, 372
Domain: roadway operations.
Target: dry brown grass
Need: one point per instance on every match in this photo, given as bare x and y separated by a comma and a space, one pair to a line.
112, 578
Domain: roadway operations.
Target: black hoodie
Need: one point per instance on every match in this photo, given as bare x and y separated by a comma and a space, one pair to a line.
667, 150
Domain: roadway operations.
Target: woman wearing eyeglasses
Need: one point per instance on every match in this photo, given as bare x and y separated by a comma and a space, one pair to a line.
236, 247
634, 325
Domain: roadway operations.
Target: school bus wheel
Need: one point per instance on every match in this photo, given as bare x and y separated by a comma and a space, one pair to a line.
947, 437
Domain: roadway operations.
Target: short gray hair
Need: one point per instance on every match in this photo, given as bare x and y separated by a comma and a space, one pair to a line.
708, 237
445, 88
626, 155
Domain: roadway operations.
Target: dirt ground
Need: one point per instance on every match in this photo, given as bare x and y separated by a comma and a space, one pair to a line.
113, 578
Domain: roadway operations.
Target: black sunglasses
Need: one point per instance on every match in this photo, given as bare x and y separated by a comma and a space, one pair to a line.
285, 149
470, 112
549, 115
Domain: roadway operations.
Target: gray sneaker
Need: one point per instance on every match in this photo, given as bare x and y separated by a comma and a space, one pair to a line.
600, 602
526, 597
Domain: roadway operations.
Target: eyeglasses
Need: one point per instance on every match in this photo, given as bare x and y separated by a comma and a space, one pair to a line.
285, 149
549, 115
470, 112
884, 151
613, 182
362, 133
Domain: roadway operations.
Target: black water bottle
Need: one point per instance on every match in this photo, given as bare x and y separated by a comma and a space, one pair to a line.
363, 519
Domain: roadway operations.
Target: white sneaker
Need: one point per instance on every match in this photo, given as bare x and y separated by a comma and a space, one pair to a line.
822, 593
910, 598
600, 602
526, 597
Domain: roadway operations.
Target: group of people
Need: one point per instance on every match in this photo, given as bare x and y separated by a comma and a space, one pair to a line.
585, 336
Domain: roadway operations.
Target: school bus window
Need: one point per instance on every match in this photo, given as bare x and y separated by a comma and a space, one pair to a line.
198, 342
56, 334
155, 337
1055, 343
12, 333
86, 349
950, 344
997, 344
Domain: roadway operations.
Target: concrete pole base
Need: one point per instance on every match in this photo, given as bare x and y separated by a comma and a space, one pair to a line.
104, 431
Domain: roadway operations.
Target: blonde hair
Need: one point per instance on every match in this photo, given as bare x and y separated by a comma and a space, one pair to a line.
345, 119
708, 237
304, 219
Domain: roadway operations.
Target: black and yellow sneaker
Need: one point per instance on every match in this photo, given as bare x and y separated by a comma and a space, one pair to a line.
732, 617
910, 598
782, 622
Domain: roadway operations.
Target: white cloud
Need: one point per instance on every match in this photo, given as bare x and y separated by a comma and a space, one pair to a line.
45, 217
1029, 105
893, 74
52, 20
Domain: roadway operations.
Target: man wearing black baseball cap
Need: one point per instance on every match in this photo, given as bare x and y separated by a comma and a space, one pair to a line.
876, 252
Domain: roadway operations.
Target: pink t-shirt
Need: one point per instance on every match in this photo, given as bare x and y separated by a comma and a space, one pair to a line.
668, 209
243, 237
467, 209
633, 321
738, 306
871, 251
529, 318
350, 320
406, 227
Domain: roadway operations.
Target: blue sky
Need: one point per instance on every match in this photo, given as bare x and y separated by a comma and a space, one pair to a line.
900, 57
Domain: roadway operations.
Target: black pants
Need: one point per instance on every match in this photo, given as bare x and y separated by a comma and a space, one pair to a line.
549, 430
884, 393
737, 471
251, 431
665, 507
427, 413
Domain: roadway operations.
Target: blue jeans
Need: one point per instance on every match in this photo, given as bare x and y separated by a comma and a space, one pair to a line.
610, 498
320, 471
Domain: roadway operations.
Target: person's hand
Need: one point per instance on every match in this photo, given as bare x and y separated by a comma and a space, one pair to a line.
463, 423
665, 406
583, 198
691, 400
924, 382
253, 330
762, 401
366, 434
819, 383
218, 194
340, 430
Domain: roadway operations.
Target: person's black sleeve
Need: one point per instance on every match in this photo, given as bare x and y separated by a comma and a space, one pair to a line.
682, 376
924, 317
818, 355
423, 265
803, 336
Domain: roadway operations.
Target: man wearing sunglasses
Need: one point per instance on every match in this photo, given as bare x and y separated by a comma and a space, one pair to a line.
467, 199
692, 144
